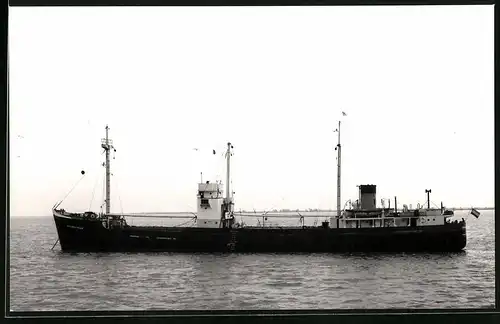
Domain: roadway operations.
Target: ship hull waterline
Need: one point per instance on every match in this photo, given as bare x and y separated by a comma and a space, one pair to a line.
85, 235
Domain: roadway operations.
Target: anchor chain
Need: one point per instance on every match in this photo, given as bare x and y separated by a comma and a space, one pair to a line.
54, 244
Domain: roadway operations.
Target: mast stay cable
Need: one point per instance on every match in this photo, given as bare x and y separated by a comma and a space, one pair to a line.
58, 204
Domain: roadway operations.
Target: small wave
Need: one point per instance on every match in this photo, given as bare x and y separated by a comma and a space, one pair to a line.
44, 280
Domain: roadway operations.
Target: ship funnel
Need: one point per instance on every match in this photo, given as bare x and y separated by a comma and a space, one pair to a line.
368, 196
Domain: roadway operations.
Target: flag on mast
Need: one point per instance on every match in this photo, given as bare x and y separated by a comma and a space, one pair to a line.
475, 213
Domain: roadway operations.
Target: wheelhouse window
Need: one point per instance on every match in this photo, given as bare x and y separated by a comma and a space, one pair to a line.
204, 203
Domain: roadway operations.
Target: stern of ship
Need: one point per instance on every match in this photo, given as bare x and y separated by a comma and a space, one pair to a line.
459, 237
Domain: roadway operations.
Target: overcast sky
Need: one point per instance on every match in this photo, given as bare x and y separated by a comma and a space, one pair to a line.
416, 84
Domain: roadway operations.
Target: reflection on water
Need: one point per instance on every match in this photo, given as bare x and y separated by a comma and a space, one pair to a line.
42, 279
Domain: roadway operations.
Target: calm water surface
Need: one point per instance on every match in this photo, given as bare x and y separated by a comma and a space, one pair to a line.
43, 280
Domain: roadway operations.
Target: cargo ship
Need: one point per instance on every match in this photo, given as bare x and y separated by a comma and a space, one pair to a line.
363, 227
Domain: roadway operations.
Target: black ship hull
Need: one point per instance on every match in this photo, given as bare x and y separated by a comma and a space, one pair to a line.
90, 235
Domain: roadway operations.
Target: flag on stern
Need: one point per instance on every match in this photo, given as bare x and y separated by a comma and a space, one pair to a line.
475, 213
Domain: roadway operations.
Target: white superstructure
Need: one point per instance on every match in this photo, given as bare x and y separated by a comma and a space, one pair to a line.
210, 203
214, 210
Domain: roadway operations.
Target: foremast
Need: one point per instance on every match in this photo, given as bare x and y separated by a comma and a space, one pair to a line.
107, 145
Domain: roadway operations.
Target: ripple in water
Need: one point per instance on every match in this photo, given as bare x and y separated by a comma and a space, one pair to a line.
45, 280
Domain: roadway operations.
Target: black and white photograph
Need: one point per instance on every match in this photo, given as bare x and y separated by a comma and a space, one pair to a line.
251, 158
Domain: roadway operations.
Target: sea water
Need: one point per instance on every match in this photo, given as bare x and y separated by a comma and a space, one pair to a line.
42, 279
